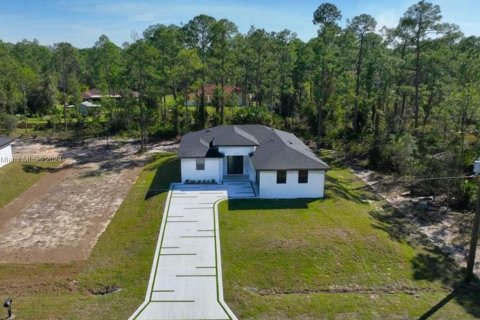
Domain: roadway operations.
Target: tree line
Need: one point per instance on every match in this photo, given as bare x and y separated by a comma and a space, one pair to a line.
403, 99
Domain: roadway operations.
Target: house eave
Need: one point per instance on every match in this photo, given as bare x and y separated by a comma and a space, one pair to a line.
6, 142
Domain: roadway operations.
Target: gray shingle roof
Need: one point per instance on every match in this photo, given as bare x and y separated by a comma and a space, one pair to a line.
5, 141
276, 149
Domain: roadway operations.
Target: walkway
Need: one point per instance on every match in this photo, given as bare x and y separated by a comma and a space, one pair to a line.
186, 278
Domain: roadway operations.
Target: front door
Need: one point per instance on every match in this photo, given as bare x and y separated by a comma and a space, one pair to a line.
235, 164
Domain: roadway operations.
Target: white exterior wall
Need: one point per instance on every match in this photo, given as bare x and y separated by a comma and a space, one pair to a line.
213, 169
269, 188
252, 174
5, 155
239, 151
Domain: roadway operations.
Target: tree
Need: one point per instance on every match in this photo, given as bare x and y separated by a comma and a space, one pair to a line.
223, 31
65, 63
107, 64
419, 21
27, 80
167, 40
361, 26
186, 71
142, 77
326, 17
199, 36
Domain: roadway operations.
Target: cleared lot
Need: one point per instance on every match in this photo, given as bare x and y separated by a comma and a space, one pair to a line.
60, 218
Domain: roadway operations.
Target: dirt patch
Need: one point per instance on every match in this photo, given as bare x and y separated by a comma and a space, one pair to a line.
448, 230
108, 289
345, 289
59, 219
286, 244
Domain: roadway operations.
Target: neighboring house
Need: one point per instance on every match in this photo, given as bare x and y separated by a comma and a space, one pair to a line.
233, 95
92, 95
85, 108
97, 95
278, 164
5, 151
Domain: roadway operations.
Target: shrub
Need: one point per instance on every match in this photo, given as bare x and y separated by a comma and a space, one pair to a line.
8, 123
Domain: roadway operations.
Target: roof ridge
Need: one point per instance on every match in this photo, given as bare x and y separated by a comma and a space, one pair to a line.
245, 134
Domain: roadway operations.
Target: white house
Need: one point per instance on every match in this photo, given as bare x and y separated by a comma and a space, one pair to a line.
5, 151
277, 163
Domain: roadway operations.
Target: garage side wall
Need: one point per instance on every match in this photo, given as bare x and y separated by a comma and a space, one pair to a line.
213, 169
269, 188
5, 155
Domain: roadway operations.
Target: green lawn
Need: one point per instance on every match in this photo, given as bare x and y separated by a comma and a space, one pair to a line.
332, 258
16, 177
122, 257
335, 258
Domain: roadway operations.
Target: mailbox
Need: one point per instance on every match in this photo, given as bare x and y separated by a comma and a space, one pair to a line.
8, 305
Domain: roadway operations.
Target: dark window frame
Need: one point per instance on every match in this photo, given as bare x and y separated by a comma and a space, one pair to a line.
302, 176
200, 164
281, 176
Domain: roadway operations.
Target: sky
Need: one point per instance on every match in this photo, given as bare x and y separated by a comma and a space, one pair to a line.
81, 22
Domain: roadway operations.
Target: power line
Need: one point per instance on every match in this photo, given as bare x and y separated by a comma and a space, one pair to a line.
439, 178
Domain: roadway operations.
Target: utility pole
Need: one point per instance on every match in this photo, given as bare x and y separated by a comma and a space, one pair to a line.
475, 229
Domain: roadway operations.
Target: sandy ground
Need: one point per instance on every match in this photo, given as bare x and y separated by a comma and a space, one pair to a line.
446, 229
59, 219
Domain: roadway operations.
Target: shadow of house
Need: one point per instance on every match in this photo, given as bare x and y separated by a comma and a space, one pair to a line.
169, 171
269, 204
341, 189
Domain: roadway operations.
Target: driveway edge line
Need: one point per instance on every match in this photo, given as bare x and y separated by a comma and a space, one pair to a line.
156, 257
218, 262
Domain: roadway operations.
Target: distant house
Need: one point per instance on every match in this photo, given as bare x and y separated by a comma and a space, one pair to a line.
92, 95
233, 95
97, 95
276, 162
5, 151
85, 108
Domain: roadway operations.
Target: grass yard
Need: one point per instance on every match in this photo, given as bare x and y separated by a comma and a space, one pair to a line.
335, 258
16, 177
122, 258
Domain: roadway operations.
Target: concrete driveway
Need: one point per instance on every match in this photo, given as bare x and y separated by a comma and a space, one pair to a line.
186, 277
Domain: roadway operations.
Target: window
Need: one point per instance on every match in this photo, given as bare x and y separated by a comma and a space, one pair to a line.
200, 164
281, 176
302, 176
